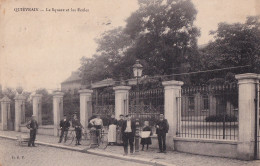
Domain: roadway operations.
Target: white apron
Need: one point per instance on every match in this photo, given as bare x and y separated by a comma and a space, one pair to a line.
112, 133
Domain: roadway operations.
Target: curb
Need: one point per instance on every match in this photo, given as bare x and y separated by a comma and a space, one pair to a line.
104, 154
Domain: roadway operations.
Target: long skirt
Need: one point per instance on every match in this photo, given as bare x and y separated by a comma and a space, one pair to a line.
112, 133
119, 139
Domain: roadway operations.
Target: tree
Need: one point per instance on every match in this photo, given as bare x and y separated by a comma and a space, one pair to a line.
235, 44
160, 33
164, 34
108, 61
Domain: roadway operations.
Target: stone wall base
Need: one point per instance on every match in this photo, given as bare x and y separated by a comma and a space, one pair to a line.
216, 148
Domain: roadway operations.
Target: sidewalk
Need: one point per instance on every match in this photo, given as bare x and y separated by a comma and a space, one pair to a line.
151, 156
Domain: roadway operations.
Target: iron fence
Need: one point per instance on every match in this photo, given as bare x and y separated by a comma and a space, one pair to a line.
209, 112
28, 112
71, 106
103, 104
146, 105
47, 110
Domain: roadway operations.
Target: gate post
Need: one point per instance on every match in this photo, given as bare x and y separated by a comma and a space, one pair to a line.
5, 107
37, 107
172, 91
85, 106
246, 105
19, 111
57, 110
121, 94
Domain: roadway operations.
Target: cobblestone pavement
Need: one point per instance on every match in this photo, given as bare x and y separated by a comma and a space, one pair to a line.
177, 158
12, 155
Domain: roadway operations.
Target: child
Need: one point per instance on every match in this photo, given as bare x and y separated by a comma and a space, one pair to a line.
146, 140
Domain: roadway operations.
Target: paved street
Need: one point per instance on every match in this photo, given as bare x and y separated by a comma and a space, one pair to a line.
48, 156
172, 157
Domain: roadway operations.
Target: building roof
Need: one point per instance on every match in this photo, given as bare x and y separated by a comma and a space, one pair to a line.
103, 83
73, 77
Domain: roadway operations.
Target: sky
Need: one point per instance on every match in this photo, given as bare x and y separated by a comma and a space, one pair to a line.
40, 49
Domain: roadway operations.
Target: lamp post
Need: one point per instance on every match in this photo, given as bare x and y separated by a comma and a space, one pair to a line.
137, 69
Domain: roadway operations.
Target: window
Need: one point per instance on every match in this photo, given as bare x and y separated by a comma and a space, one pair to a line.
191, 104
205, 103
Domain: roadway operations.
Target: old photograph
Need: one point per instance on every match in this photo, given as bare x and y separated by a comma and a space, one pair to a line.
129, 82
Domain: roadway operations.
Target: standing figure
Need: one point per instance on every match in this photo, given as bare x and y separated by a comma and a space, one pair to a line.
64, 126
33, 126
78, 129
162, 128
128, 132
97, 123
146, 140
112, 130
120, 122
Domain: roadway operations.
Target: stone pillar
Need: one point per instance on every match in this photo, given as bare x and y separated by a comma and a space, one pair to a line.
172, 93
57, 110
19, 112
37, 107
85, 106
121, 95
246, 106
5, 107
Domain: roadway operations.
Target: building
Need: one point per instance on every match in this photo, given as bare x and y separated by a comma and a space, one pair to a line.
72, 83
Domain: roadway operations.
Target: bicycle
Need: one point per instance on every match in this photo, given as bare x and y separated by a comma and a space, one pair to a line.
100, 142
71, 136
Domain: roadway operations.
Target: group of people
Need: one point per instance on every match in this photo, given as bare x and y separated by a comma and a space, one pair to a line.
120, 132
65, 125
128, 133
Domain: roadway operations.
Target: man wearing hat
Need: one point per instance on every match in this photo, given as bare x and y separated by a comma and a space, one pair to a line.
162, 128
78, 129
64, 126
33, 126
128, 134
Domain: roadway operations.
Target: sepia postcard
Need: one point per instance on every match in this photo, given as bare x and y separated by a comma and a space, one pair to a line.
129, 82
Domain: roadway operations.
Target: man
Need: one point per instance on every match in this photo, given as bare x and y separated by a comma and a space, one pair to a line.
128, 134
162, 128
120, 122
78, 129
33, 126
97, 123
64, 126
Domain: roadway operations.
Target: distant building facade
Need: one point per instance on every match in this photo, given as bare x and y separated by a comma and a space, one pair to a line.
72, 83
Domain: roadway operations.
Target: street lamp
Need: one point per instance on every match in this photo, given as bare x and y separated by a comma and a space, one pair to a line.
137, 69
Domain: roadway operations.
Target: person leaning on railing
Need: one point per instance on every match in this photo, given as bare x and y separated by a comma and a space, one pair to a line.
97, 123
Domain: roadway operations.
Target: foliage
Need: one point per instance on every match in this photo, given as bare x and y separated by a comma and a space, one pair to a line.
47, 106
160, 33
221, 118
234, 45
71, 105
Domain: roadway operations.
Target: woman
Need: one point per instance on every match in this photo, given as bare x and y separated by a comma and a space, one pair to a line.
120, 122
112, 130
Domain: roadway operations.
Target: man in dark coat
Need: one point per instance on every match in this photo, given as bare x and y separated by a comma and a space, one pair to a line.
64, 126
162, 128
78, 129
33, 126
128, 134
